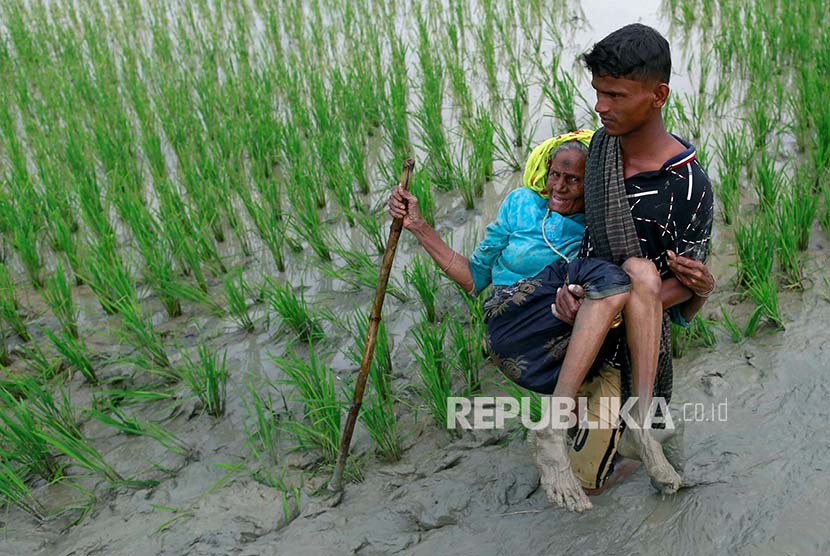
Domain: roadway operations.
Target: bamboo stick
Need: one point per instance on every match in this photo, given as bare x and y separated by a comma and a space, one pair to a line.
336, 483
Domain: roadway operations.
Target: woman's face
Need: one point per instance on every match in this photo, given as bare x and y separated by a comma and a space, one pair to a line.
565, 185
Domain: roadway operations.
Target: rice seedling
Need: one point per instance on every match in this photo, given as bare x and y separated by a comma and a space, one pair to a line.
794, 221
58, 295
207, 378
370, 221
561, 92
313, 383
361, 271
117, 418
732, 150
755, 250
238, 291
699, 334
380, 374
466, 354
21, 443
486, 48
308, 226
13, 490
9, 307
421, 188
138, 329
436, 382
395, 118
268, 220
380, 419
458, 82
768, 182
261, 425
74, 352
480, 134
422, 277
293, 309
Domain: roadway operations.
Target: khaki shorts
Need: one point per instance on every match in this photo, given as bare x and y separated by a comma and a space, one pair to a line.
593, 451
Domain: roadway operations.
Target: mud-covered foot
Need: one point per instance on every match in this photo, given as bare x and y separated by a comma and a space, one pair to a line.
557, 479
663, 476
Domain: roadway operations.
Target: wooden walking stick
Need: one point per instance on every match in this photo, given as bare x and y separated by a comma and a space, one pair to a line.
336, 483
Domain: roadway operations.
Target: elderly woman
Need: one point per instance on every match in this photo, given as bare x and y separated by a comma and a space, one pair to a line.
527, 254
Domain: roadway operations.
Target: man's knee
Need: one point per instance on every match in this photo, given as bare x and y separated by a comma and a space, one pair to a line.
644, 275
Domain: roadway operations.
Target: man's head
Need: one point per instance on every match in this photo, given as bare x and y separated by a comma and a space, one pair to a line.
630, 71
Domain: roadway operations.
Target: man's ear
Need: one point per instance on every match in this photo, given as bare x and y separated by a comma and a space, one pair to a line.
661, 95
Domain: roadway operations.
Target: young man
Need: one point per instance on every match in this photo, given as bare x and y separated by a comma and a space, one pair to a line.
660, 236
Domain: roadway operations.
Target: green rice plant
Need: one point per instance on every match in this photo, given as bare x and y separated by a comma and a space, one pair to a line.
759, 119
421, 188
13, 490
729, 326
436, 381
796, 211
802, 206
19, 423
486, 48
561, 92
74, 352
824, 215
395, 120
308, 226
732, 150
25, 239
9, 307
465, 179
768, 182
361, 271
370, 221
293, 309
313, 384
458, 83
421, 275
269, 221
107, 276
465, 353
698, 334
380, 419
517, 119
479, 132
755, 250
380, 373
138, 329
117, 418
238, 291
261, 425
506, 151
78, 449
207, 378
58, 296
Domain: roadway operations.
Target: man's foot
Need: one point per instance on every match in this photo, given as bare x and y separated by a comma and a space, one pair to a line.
550, 449
663, 476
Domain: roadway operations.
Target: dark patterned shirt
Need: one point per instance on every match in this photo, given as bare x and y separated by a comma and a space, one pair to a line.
673, 210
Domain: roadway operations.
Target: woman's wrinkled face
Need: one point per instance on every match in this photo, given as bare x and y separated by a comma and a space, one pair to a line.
565, 183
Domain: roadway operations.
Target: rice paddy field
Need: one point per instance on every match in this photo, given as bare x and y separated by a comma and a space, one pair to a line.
191, 222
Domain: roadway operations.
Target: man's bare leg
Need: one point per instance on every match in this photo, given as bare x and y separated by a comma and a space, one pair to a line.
551, 446
644, 307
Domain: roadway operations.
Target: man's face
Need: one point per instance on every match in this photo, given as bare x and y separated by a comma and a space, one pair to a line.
624, 105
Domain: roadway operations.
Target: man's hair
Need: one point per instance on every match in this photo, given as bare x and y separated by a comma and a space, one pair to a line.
635, 51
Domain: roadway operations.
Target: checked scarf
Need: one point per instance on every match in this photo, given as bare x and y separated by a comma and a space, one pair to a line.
611, 233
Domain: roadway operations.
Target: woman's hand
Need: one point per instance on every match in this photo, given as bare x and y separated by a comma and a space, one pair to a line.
692, 273
568, 300
403, 204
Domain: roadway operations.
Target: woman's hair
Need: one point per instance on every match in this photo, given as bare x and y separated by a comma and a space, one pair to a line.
635, 51
569, 146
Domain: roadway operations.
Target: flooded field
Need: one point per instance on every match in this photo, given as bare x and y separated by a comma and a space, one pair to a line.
192, 219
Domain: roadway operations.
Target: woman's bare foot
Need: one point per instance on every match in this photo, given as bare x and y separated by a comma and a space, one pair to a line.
663, 476
561, 487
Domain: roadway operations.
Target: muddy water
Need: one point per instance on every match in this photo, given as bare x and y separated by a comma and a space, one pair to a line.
761, 474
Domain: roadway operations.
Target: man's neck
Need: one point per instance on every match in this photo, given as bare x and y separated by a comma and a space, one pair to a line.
648, 148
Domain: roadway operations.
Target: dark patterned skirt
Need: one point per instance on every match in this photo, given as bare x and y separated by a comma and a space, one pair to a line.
527, 342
